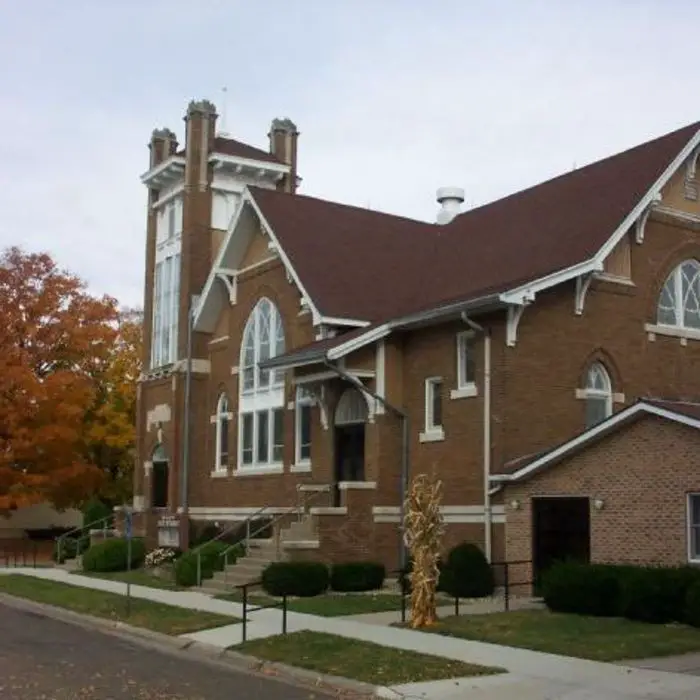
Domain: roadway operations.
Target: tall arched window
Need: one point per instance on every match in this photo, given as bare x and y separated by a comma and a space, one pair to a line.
679, 302
222, 425
598, 394
260, 427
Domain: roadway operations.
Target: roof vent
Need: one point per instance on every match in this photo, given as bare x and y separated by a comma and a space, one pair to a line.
450, 199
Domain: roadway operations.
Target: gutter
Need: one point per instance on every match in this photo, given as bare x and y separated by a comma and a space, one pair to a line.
488, 519
403, 486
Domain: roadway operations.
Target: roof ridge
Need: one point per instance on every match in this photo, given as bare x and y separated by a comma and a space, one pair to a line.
342, 205
583, 169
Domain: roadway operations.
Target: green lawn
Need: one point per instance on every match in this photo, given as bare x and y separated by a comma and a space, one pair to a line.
361, 661
138, 577
158, 617
596, 638
328, 605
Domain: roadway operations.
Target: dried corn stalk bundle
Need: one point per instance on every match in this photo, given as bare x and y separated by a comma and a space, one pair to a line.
424, 528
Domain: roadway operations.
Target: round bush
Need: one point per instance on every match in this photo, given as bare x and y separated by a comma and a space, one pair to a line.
466, 573
303, 579
692, 605
112, 555
185, 570
357, 576
583, 589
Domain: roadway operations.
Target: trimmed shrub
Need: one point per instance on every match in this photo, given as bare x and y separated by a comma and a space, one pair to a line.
357, 576
692, 605
466, 573
212, 559
657, 595
112, 555
69, 548
93, 511
304, 579
583, 589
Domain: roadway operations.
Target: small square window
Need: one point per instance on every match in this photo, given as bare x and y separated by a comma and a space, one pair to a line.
433, 404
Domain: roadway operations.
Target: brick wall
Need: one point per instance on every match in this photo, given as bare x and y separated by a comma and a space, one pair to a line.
642, 474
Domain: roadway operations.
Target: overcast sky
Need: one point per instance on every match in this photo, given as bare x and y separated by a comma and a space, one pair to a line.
393, 99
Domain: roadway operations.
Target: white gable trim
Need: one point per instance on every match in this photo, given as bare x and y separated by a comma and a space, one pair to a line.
599, 430
519, 294
306, 298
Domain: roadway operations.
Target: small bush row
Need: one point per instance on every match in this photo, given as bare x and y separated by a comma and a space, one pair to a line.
307, 579
113, 555
211, 559
464, 573
647, 594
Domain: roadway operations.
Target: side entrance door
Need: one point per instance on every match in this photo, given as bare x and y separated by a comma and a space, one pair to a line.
561, 530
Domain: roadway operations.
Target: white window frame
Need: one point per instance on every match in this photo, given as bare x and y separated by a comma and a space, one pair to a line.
465, 388
221, 416
303, 399
262, 398
693, 557
590, 393
679, 303
431, 431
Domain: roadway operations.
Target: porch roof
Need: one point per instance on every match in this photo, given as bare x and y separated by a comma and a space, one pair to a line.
521, 468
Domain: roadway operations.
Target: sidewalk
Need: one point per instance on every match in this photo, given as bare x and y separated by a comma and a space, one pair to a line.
533, 675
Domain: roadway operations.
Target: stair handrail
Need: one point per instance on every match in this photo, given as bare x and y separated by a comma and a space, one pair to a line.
302, 502
107, 519
301, 508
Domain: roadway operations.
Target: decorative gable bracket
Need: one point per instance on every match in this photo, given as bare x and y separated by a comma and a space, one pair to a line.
691, 183
515, 312
230, 280
583, 283
641, 223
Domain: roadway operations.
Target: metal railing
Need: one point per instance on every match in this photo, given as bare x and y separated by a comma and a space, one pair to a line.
19, 554
78, 535
244, 588
304, 498
507, 585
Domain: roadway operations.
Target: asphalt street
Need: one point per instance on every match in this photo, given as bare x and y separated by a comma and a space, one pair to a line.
45, 659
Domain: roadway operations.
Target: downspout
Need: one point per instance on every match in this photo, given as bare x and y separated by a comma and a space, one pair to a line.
184, 472
403, 486
488, 519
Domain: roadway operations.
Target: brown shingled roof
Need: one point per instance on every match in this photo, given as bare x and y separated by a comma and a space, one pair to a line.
362, 264
232, 147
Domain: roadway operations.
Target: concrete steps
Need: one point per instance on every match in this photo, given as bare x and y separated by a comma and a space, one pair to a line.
261, 553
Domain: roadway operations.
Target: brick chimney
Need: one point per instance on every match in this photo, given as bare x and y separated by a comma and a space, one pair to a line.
200, 121
163, 144
283, 144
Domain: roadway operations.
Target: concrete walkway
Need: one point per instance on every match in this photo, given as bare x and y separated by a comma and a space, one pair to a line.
532, 675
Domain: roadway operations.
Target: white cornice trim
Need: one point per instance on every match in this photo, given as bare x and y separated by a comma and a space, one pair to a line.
178, 190
597, 431
360, 341
170, 169
225, 160
518, 295
677, 214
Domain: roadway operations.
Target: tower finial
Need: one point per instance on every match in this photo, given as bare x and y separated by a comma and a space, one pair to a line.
224, 111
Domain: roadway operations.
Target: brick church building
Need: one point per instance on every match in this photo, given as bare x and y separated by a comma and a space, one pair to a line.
335, 351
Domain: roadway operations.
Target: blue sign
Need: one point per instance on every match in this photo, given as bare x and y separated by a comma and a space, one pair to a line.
127, 524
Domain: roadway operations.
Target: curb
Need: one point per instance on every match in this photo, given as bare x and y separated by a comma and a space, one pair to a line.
207, 653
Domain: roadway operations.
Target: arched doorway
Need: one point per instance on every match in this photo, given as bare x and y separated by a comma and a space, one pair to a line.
349, 425
159, 479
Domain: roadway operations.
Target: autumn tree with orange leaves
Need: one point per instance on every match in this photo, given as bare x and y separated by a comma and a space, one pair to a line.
112, 419
59, 350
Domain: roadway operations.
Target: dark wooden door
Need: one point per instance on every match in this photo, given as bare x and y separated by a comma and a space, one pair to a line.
349, 455
159, 490
561, 530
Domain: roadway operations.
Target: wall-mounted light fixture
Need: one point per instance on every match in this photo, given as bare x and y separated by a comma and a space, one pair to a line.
515, 504
598, 503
